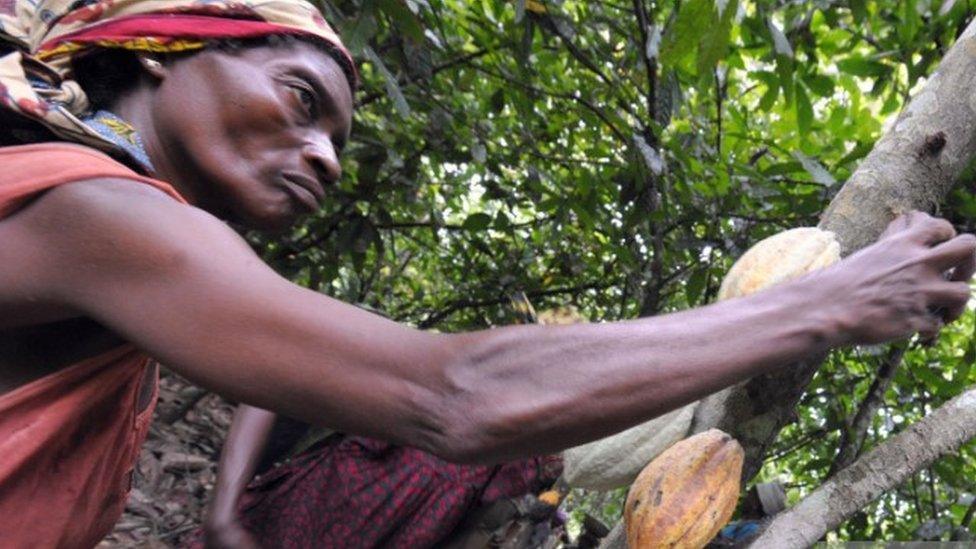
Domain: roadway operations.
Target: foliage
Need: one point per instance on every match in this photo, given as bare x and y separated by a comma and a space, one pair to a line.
617, 156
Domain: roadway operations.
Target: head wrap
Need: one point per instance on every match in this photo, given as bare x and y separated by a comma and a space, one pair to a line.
39, 38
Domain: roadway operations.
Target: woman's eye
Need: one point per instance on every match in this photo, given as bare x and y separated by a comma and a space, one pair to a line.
305, 97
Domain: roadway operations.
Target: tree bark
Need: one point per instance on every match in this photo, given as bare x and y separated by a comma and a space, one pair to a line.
616, 539
884, 468
914, 165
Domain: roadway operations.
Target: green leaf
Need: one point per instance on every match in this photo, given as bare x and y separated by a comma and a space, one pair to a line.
357, 34
497, 100
695, 287
681, 36
714, 44
859, 66
909, 21
819, 84
815, 169
804, 110
404, 19
769, 98
392, 86
781, 45
477, 222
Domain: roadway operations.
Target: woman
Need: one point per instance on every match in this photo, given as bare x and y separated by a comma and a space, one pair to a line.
70, 438
115, 249
348, 491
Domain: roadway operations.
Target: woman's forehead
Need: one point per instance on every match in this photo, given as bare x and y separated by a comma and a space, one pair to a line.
313, 59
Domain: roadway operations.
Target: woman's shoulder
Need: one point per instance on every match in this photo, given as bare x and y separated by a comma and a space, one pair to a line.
33, 168
56, 150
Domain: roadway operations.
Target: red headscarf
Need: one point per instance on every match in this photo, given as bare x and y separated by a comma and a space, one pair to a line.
36, 80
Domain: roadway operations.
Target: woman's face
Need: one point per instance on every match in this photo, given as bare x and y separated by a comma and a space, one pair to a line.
252, 135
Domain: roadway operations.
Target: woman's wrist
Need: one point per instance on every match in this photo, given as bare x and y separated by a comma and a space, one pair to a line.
814, 302
221, 513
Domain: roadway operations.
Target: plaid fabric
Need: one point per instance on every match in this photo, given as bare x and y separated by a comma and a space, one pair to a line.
354, 492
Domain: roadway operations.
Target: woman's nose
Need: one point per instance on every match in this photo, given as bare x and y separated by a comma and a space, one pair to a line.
322, 157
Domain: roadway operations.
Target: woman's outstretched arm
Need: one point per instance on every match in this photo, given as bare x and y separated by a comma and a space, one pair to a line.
180, 284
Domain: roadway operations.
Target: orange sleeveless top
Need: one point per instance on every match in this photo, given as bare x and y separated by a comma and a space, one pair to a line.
68, 441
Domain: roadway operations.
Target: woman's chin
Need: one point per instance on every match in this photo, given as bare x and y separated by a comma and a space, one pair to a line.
270, 218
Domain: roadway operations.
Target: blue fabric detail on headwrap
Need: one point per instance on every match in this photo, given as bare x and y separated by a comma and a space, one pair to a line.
111, 127
122, 134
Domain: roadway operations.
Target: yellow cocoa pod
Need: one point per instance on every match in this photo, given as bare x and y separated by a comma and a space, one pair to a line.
686, 495
779, 258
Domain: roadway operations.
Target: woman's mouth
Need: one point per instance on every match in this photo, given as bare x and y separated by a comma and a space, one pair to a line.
303, 190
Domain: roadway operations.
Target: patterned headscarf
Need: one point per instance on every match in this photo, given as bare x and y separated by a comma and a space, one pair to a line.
39, 38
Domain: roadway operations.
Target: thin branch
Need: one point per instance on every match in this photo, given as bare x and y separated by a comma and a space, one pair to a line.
372, 97
575, 97
398, 225
805, 440
650, 64
437, 317
967, 519
852, 437
935, 502
720, 87
576, 52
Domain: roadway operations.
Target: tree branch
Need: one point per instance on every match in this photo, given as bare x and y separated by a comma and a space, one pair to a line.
915, 164
575, 97
852, 438
650, 64
437, 317
374, 96
886, 467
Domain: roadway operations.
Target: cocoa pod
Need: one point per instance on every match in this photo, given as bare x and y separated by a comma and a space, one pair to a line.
779, 258
686, 495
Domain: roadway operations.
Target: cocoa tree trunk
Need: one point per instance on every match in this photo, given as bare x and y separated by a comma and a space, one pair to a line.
912, 167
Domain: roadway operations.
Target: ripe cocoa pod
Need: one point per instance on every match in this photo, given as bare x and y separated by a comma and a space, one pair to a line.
779, 258
686, 495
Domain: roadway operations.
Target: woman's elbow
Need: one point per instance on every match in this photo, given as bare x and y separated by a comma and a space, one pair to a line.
457, 428
464, 442
468, 423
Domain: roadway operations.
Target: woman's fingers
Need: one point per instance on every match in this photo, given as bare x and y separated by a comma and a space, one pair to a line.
949, 299
956, 257
965, 269
929, 230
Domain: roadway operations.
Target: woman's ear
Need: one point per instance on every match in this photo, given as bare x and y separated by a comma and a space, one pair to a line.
152, 65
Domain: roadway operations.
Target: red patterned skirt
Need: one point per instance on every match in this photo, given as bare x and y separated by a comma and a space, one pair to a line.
357, 492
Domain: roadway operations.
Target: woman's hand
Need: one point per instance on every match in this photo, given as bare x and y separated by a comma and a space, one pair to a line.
913, 280
227, 534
